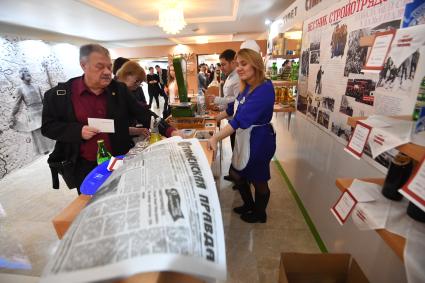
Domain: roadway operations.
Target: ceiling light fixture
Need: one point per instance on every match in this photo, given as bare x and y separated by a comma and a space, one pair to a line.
171, 17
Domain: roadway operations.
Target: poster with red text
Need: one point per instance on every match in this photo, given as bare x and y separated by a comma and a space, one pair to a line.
333, 81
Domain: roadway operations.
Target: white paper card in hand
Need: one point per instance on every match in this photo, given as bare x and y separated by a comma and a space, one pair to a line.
363, 191
103, 125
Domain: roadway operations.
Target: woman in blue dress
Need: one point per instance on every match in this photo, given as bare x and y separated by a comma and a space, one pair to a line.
255, 144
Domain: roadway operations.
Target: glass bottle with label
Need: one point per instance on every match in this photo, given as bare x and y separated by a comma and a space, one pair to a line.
155, 136
398, 174
102, 153
273, 74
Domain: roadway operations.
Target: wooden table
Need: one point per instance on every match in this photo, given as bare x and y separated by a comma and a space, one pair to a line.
64, 219
279, 108
415, 151
396, 242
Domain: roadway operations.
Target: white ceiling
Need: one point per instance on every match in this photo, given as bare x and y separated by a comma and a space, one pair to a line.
131, 23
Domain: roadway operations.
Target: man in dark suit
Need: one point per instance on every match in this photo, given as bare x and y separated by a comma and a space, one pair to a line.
163, 82
67, 107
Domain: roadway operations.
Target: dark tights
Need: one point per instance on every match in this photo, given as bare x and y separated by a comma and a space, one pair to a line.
260, 187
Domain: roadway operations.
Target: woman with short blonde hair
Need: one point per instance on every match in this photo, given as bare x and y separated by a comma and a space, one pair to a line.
255, 142
132, 74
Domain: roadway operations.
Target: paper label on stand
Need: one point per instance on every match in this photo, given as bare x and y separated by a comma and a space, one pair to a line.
380, 49
414, 190
358, 140
343, 207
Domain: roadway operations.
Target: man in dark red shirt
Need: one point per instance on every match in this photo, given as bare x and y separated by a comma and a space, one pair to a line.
68, 106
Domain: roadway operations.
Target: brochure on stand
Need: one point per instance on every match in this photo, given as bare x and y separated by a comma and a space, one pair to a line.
414, 190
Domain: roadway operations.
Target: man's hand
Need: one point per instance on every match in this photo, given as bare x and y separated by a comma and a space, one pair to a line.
88, 132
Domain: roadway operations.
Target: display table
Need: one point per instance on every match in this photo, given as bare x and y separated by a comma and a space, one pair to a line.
396, 242
415, 151
64, 219
279, 108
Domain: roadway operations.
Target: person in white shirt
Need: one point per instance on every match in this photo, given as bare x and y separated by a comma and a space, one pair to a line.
231, 87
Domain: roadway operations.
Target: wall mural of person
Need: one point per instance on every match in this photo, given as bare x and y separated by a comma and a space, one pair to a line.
32, 98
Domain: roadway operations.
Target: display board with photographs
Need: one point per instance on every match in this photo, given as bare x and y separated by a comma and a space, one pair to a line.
333, 82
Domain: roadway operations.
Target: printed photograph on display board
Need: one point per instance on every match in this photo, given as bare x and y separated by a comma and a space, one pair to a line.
315, 52
340, 128
399, 79
323, 118
305, 62
28, 69
328, 103
339, 40
346, 106
361, 90
312, 112
335, 48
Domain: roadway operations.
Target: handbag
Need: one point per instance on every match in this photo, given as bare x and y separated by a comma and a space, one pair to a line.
66, 169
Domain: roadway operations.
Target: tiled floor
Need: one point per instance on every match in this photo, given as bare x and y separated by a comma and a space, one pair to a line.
27, 235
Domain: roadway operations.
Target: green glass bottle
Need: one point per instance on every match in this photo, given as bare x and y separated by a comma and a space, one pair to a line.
273, 74
102, 153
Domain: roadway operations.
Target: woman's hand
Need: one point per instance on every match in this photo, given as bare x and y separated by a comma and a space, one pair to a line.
177, 133
212, 143
134, 131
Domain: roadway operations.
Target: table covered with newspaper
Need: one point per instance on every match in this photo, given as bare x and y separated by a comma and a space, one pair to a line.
158, 212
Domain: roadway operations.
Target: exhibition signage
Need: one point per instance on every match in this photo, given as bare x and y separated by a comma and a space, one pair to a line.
356, 61
414, 190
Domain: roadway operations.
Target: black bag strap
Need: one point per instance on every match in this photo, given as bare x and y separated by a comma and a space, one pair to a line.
55, 177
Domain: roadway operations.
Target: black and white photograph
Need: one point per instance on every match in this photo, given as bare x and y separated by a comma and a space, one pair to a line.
361, 90
323, 118
399, 78
315, 52
341, 129
359, 41
339, 40
328, 103
346, 107
356, 54
302, 104
319, 76
312, 112
305, 62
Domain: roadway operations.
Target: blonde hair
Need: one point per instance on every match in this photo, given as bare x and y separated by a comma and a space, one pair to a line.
169, 78
131, 68
254, 59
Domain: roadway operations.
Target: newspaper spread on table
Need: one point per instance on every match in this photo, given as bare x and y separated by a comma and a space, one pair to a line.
158, 212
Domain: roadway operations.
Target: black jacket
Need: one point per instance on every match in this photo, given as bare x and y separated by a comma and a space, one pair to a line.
59, 122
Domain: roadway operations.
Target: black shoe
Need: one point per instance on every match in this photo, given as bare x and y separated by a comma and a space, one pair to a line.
228, 178
242, 209
253, 217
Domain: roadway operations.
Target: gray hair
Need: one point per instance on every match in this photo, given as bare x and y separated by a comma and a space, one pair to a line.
88, 49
